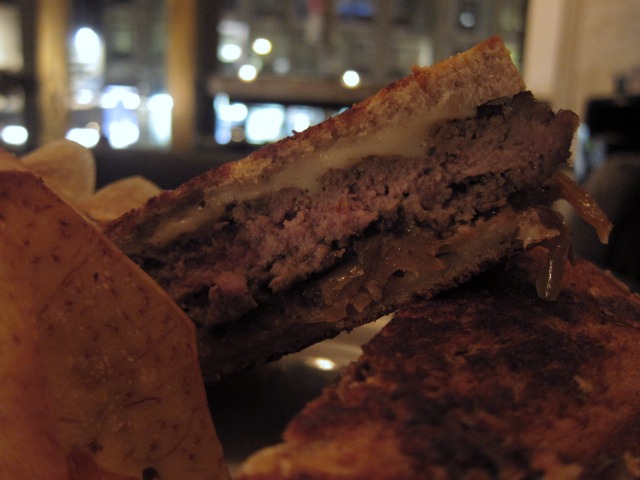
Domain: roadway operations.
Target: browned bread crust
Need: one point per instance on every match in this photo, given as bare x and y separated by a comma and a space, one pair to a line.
487, 381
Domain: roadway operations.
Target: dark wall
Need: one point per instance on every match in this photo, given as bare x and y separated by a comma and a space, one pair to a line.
166, 169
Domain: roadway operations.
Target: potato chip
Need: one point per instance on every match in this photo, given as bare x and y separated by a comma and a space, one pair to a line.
8, 161
66, 166
29, 442
82, 467
119, 354
117, 198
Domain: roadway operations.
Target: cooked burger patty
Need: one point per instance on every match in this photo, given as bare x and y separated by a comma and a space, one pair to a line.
469, 170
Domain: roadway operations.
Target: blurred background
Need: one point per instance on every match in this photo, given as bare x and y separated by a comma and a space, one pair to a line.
194, 75
169, 88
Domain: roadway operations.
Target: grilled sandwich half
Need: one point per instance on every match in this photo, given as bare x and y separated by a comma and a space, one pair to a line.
485, 381
405, 194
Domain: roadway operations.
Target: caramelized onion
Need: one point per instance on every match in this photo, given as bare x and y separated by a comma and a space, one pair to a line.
379, 259
584, 205
383, 255
338, 288
549, 281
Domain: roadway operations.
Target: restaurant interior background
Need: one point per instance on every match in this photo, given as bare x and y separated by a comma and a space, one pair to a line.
170, 88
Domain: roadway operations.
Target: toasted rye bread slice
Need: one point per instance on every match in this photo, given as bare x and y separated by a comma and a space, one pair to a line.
487, 381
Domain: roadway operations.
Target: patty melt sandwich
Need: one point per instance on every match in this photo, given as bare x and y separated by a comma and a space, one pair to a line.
485, 381
405, 194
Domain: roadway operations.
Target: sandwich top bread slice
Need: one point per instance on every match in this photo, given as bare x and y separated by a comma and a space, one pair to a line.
405, 194
485, 381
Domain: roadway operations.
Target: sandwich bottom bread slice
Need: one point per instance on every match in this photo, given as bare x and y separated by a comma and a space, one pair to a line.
405, 194
487, 381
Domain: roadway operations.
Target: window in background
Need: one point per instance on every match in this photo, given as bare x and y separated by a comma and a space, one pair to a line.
14, 133
262, 122
318, 55
315, 53
117, 74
